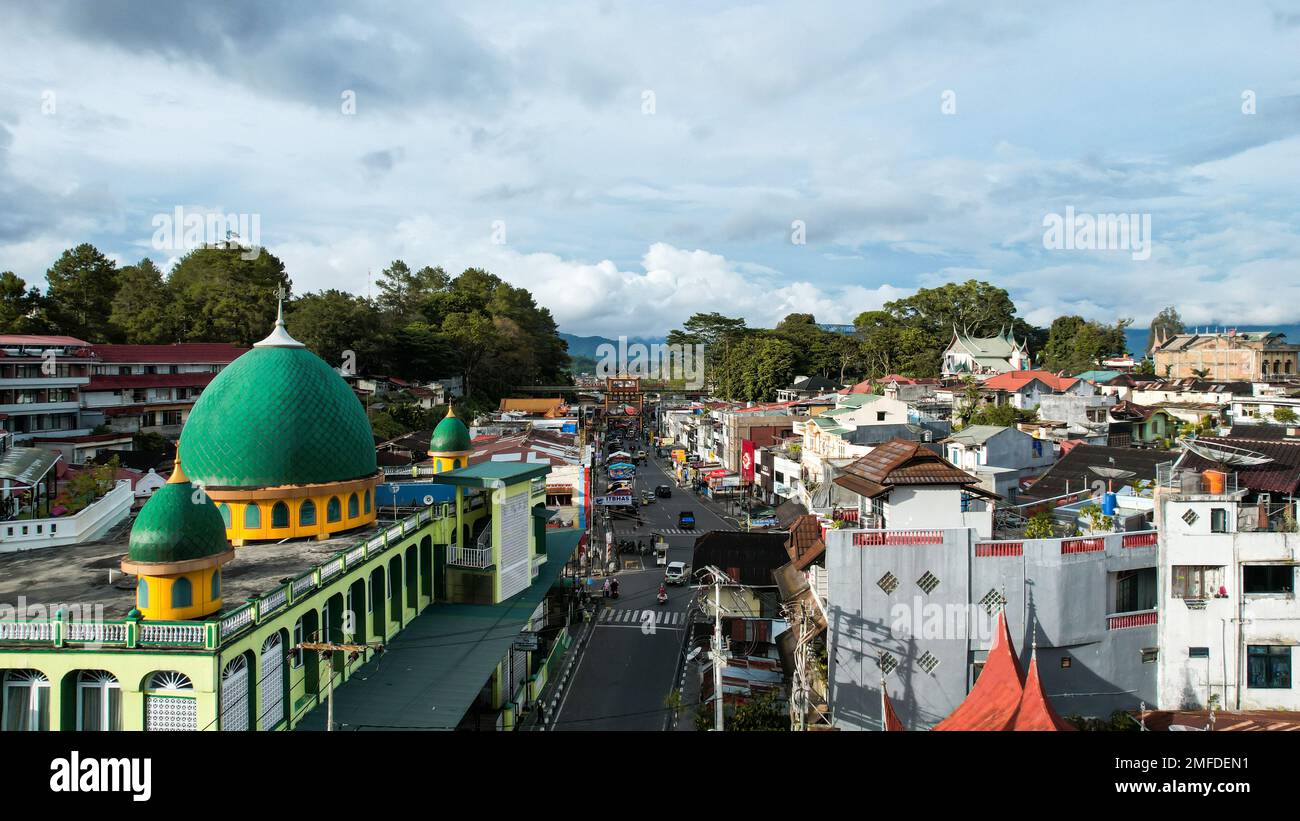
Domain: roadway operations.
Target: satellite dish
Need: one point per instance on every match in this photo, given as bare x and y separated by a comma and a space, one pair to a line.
1225, 455
1112, 473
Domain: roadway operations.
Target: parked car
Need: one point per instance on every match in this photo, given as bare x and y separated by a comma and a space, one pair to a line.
675, 573
686, 520
664, 492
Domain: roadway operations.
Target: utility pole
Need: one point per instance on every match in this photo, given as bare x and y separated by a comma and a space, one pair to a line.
327, 649
718, 652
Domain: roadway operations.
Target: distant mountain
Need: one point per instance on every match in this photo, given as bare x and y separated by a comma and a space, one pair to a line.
586, 346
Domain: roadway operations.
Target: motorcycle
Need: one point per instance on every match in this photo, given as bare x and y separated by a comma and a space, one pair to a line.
663, 596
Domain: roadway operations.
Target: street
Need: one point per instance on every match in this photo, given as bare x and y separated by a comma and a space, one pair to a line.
631, 663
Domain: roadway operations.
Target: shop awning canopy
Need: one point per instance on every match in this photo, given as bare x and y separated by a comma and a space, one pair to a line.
27, 466
435, 668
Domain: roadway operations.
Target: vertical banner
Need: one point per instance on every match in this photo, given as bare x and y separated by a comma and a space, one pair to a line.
746, 461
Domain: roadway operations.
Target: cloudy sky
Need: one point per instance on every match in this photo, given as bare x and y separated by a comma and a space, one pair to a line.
632, 165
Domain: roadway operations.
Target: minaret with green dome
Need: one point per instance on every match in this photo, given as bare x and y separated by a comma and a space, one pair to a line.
178, 544
450, 445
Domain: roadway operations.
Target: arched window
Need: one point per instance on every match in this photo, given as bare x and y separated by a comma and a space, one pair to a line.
280, 515
182, 593
1287, 366
234, 694
216, 585
270, 685
334, 510
252, 517
225, 513
26, 700
99, 701
142, 594
367, 501
168, 705
307, 513
353, 507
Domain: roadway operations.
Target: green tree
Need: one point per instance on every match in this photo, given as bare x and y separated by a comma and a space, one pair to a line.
82, 285
141, 305
754, 367
1040, 526
1284, 415
1003, 416
22, 309
333, 322
1164, 324
1075, 345
817, 351
473, 338
217, 295
760, 714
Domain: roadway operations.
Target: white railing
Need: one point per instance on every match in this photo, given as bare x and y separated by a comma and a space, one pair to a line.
355, 555
476, 557
303, 583
180, 634
96, 633
375, 545
84, 526
236, 621
26, 631
272, 602
331, 569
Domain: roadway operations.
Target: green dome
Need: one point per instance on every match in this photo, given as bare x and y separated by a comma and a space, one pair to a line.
450, 436
172, 527
278, 415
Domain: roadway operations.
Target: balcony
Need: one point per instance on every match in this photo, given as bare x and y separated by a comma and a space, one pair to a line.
478, 557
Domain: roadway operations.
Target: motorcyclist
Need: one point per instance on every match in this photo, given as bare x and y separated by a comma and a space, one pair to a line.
663, 590
613, 586
607, 588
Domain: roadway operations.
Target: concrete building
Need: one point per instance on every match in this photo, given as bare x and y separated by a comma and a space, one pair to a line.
1231, 623
1227, 356
1025, 390
1001, 458
40, 385
918, 609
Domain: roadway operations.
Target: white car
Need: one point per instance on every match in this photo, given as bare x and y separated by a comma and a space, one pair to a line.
675, 573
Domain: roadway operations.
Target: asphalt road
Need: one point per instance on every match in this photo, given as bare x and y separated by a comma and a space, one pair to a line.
630, 665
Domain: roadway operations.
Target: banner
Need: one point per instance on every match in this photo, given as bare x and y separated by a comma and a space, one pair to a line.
747, 461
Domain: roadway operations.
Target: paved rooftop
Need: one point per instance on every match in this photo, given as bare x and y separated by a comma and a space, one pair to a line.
79, 574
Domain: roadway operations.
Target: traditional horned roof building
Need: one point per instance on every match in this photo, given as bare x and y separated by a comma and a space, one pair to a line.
985, 355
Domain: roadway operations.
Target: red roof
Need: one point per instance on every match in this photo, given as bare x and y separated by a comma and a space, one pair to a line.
53, 341
892, 724
178, 353
1016, 380
1036, 711
148, 380
993, 702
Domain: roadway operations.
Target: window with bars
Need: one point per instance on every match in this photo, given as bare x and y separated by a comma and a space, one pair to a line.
888, 583
1195, 581
887, 662
993, 601
928, 661
928, 582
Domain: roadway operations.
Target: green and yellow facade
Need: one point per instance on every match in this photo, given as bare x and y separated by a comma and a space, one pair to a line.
185, 658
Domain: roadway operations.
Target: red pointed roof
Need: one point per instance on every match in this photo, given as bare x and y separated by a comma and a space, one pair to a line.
1036, 711
994, 700
892, 724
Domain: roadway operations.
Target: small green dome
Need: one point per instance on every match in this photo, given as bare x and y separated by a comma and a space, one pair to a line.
277, 415
450, 436
173, 527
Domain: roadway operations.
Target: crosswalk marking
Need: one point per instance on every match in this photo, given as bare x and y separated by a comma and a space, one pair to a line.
670, 531
617, 615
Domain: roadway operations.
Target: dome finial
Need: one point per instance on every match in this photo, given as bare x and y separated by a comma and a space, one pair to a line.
279, 336
178, 473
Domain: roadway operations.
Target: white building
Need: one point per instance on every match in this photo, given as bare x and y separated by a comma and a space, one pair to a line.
1231, 624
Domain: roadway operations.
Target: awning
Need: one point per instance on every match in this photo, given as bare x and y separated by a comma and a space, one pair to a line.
27, 466
435, 668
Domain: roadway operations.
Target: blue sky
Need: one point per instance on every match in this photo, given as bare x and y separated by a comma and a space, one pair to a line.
532, 118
